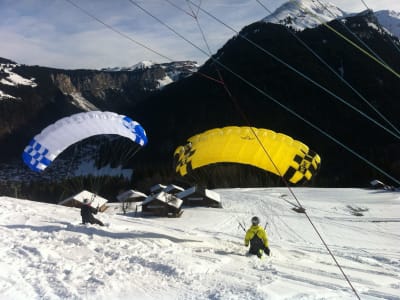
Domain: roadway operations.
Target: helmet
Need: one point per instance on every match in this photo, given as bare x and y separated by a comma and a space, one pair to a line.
255, 220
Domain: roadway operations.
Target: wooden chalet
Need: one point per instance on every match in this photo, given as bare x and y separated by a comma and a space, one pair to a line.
162, 204
199, 196
77, 200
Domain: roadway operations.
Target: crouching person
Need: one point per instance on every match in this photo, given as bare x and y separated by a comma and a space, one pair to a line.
257, 237
87, 212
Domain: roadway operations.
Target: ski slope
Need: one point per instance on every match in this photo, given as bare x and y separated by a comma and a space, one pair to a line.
46, 254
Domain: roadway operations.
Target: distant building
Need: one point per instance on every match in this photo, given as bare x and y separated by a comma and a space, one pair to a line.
131, 196
199, 196
77, 200
162, 204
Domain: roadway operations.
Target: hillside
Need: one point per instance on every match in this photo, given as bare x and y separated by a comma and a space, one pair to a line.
274, 75
47, 254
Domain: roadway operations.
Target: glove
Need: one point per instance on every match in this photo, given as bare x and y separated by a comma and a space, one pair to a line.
266, 250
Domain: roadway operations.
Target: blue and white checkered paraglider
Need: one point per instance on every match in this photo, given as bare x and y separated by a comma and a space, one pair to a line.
54, 139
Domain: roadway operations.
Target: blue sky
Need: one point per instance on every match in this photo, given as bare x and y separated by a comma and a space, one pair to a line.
55, 33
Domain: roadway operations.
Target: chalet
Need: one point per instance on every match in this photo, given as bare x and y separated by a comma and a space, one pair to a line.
199, 196
162, 204
77, 200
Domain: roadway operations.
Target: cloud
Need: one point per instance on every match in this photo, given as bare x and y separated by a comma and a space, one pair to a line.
57, 34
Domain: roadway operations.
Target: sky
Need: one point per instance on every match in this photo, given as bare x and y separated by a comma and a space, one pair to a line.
55, 33
45, 253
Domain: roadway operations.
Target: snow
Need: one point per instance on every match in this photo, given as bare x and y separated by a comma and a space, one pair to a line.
5, 96
390, 20
46, 254
164, 81
305, 14
373, 25
14, 78
145, 64
78, 100
142, 65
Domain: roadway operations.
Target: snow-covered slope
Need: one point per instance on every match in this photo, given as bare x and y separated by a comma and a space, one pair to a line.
10, 78
46, 254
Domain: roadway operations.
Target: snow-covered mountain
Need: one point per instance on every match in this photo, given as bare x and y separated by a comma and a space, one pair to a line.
109, 89
156, 77
174, 71
390, 20
303, 14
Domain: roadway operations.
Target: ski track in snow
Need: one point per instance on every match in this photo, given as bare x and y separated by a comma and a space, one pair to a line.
46, 254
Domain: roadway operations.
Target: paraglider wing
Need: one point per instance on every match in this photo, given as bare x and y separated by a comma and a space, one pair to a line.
55, 138
274, 152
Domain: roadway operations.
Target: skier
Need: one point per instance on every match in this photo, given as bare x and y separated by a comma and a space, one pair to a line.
257, 237
87, 212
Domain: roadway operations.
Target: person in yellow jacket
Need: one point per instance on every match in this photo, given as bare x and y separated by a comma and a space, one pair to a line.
257, 237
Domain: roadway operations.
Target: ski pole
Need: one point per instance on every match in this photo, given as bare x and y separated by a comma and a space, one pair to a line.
240, 224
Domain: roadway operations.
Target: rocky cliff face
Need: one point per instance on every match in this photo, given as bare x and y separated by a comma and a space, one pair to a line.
31, 96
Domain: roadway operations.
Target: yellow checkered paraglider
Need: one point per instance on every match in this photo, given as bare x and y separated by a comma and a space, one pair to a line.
262, 148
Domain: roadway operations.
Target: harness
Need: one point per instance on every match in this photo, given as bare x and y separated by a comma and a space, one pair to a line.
256, 241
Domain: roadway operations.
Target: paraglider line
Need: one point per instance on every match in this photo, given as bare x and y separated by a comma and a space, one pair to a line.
355, 45
117, 31
181, 9
296, 71
332, 70
380, 26
348, 30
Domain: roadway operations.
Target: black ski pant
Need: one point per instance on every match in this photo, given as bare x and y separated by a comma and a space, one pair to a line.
94, 221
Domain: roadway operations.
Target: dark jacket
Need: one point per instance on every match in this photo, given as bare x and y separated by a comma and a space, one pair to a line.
87, 213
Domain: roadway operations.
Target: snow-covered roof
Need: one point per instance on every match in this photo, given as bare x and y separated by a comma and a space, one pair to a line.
96, 201
200, 191
131, 195
157, 187
166, 198
173, 189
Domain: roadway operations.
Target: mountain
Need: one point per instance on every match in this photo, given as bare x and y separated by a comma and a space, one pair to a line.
303, 14
174, 71
31, 96
390, 20
200, 102
187, 113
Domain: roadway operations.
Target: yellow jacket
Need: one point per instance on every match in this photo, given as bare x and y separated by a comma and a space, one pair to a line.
253, 230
